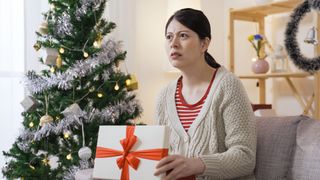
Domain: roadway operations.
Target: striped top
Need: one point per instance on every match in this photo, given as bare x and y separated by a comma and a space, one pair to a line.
188, 112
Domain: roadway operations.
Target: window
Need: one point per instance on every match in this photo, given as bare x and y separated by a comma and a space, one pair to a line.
11, 71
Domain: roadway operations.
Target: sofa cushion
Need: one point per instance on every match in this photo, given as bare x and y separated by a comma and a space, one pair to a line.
275, 146
306, 161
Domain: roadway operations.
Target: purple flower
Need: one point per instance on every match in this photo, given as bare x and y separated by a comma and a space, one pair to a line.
257, 37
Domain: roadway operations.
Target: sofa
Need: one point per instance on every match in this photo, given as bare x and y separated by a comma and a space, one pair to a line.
288, 148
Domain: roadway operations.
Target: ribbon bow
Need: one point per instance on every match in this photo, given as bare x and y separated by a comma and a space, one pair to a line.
130, 157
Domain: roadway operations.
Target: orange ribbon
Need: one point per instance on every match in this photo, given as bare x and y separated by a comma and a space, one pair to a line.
130, 157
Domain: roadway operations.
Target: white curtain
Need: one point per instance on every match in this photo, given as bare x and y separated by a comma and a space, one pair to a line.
11, 71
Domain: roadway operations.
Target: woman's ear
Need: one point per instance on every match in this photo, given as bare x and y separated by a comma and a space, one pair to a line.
205, 44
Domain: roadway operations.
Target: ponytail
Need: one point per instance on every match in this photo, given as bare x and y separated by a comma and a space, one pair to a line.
211, 61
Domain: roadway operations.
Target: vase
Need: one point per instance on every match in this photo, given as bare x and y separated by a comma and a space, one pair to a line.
260, 66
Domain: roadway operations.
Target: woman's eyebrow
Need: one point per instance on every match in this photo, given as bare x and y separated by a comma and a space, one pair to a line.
179, 31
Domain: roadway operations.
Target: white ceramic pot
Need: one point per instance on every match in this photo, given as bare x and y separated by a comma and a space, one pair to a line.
260, 66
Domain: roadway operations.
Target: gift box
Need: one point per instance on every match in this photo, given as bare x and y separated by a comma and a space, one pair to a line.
130, 152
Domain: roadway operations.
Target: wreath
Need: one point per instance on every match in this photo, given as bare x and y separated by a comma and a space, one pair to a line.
291, 44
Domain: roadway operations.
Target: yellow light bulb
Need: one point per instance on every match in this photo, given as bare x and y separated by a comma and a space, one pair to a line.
69, 156
31, 124
128, 82
100, 95
95, 44
85, 54
66, 135
32, 167
116, 87
92, 89
61, 50
52, 69
45, 161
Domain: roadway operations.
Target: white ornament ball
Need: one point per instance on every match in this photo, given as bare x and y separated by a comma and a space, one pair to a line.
85, 153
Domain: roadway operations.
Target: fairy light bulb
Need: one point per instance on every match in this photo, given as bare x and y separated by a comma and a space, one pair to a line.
96, 44
31, 124
100, 94
66, 134
116, 87
69, 156
92, 89
52, 69
32, 167
45, 161
85, 54
61, 50
128, 82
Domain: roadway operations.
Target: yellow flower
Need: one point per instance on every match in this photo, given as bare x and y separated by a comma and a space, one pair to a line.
257, 41
251, 38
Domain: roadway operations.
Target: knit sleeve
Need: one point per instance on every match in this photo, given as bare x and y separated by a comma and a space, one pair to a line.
160, 107
240, 134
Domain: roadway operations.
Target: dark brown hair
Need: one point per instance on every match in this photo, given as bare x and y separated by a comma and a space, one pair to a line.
197, 22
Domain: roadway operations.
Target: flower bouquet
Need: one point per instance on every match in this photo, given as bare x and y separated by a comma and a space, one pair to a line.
257, 42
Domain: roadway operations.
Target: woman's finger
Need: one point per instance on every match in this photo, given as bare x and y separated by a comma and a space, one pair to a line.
174, 174
166, 160
173, 162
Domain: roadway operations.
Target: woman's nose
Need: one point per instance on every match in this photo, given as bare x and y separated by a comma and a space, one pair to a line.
174, 42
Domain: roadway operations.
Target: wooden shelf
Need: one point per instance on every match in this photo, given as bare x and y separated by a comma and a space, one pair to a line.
276, 75
264, 10
257, 15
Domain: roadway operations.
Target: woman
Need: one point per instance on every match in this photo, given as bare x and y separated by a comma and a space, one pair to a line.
207, 109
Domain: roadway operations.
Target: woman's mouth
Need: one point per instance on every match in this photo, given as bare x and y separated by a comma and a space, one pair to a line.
175, 55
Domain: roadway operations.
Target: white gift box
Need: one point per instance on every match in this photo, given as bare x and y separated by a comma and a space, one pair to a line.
148, 137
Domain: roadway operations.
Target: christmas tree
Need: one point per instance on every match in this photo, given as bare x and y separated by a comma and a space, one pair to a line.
80, 89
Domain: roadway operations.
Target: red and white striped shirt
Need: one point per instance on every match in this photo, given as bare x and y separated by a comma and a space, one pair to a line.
188, 112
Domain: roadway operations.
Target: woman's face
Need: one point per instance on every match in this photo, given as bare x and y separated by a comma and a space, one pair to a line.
183, 46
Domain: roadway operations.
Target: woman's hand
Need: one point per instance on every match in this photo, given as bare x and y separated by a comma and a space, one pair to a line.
179, 166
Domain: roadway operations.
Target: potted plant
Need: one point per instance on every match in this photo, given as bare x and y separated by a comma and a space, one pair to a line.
260, 65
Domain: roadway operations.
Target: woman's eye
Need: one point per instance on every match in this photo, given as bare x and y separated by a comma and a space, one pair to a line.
183, 35
168, 37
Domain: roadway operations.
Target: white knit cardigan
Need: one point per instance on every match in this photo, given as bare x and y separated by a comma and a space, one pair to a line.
223, 134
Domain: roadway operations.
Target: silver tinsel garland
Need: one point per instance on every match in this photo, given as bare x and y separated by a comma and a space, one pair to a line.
44, 131
71, 172
71, 120
26, 136
85, 5
81, 68
63, 25
107, 114
112, 112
